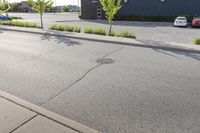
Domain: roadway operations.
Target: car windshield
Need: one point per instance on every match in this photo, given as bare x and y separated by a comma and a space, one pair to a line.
196, 18
181, 18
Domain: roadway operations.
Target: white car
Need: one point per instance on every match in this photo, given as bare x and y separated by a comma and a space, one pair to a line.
181, 22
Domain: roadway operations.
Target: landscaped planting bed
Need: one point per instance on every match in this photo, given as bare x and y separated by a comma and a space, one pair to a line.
19, 24
91, 30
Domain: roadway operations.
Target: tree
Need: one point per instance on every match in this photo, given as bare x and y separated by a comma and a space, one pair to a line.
4, 7
13, 7
65, 9
40, 6
111, 8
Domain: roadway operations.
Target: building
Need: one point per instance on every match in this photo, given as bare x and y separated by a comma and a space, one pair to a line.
23, 7
73, 8
91, 9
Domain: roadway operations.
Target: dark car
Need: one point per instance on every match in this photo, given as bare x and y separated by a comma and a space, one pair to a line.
196, 22
2, 17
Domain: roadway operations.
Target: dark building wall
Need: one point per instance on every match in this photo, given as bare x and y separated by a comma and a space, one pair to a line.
159, 8
146, 8
89, 9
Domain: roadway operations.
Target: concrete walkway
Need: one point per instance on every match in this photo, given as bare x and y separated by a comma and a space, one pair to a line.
18, 116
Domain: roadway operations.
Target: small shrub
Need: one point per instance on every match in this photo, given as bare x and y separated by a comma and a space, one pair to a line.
77, 29
19, 24
16, 17
88, 30
197, 41
57, 27
100, 31
112, 33
65, 9
126, 34
69, 28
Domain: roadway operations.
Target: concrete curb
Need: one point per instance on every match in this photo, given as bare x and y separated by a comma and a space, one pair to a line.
104, 39
50, 115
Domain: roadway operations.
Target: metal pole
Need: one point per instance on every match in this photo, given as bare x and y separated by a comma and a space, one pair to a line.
73, 6
6, 12
78, 7
55, 6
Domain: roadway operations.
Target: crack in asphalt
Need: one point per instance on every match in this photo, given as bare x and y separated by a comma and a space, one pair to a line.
82, 77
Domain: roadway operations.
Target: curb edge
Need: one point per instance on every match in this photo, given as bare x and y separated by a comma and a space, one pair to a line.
48, 114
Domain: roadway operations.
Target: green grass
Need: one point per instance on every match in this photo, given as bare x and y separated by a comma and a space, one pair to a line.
126, 34
69, 28
89, 30
98, 31
57, 27
19, 24
197, 41
112, 33
77, 29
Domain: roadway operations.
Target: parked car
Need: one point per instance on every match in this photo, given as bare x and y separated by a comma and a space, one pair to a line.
2, 17
181, 22
196, 22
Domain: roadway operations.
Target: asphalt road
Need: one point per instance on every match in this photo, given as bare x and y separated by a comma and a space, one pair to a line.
143, 91
145, 31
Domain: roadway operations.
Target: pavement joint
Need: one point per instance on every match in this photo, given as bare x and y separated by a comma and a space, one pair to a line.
24, 123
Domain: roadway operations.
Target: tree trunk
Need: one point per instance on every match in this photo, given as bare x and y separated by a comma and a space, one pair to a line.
6, 12
110, 29
41, 19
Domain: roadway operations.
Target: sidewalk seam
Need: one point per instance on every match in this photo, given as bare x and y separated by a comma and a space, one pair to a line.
71, 124
37, 113
23, 123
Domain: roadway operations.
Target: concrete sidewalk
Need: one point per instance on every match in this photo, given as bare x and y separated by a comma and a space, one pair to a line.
19, 116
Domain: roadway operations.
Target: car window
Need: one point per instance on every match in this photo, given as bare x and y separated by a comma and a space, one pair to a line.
1, 15
181, 18
196, 18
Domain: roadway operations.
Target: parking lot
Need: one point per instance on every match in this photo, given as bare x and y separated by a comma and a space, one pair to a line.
148, 32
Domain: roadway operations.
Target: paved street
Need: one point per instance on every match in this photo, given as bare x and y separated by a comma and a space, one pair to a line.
145, 31
143, 90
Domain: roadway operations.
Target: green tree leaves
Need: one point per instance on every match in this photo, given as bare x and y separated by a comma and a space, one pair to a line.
111, 8
40, 6
4, 7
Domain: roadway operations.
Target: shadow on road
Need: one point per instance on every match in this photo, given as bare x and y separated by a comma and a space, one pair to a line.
59, 39
174, 51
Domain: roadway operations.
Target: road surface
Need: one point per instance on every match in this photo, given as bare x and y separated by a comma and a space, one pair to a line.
143, 90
